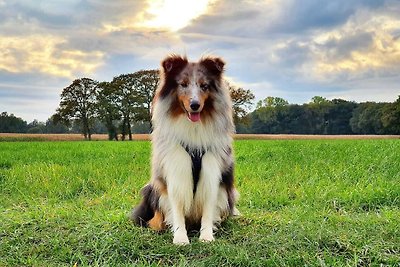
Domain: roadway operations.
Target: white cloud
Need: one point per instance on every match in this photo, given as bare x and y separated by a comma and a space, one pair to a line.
366, 45
41, 53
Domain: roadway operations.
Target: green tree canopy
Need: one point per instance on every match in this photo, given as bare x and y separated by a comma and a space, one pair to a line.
242, 100
78, 102
391, 117
271, 101
11, 124
145, 83
108, 107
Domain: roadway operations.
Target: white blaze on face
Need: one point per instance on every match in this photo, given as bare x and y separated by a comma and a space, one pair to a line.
194, 90
194, 98
190, 87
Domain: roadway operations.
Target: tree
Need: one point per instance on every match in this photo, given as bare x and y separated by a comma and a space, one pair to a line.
78, 102
338, 117
271, 101
366, 118
54, 125
318, 110
268, 115
296, 120
145, 83
391, 117
11, 124
319, 100
108, 108
242, 100
129, 102
36, 127
320, 116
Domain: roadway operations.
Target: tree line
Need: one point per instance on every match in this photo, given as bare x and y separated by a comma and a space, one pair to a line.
122, 107
119, 107
275, 115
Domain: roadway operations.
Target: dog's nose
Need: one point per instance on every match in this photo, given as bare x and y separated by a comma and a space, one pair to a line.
194, 105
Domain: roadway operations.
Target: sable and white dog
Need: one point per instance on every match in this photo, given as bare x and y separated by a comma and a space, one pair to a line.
192, 161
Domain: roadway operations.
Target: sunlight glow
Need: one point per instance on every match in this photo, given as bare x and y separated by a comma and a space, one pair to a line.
173, 14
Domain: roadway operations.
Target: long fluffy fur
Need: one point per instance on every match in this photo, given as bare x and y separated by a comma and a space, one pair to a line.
173, 198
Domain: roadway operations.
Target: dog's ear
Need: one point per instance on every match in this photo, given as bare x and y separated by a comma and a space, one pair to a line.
171, 67
174, 64
214, 65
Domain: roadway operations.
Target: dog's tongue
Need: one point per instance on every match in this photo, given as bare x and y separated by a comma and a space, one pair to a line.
194, 116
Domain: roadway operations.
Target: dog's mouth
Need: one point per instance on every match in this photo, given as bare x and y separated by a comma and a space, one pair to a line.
193, 116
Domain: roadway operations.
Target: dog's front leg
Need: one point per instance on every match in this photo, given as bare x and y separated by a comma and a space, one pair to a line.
209, 188
178, 225
180, 192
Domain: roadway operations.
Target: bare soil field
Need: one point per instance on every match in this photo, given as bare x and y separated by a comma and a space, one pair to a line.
99, 137
59, 137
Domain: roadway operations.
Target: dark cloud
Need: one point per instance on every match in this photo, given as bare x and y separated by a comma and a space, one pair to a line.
71, 19
298, 16
338, 48
271, 18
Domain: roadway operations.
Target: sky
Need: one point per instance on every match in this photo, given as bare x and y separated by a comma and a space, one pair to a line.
293, 49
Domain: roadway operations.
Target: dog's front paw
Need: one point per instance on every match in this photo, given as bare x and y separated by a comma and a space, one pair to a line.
181, 238
206, 236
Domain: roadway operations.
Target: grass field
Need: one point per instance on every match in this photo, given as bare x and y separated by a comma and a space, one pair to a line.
303, 202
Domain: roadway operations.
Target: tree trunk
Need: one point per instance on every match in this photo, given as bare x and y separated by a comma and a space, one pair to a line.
112, 131
123, 130
129, 128
86, 129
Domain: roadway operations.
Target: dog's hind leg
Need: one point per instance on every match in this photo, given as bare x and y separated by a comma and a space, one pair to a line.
145, 211
157, 222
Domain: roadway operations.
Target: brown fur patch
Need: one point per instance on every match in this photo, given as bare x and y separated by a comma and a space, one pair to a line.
157, 222
214, 65
208, 109
176, 109
171, 67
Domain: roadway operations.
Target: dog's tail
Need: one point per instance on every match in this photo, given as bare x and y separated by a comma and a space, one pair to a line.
147, 208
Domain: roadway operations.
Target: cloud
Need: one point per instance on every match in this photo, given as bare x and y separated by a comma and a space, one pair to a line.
41, 53
287, 48
277, 18
301, 39
366, 45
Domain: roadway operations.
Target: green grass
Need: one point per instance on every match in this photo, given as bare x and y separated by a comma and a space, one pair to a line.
315, 203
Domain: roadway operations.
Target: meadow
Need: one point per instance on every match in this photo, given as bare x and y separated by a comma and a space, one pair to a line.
303, 202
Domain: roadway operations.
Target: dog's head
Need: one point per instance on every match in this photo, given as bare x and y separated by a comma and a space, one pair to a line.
191, 84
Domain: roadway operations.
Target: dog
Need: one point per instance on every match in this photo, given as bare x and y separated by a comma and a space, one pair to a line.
192, 182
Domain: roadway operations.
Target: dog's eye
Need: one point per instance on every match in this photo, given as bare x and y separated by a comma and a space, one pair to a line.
184, 84
204, 87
